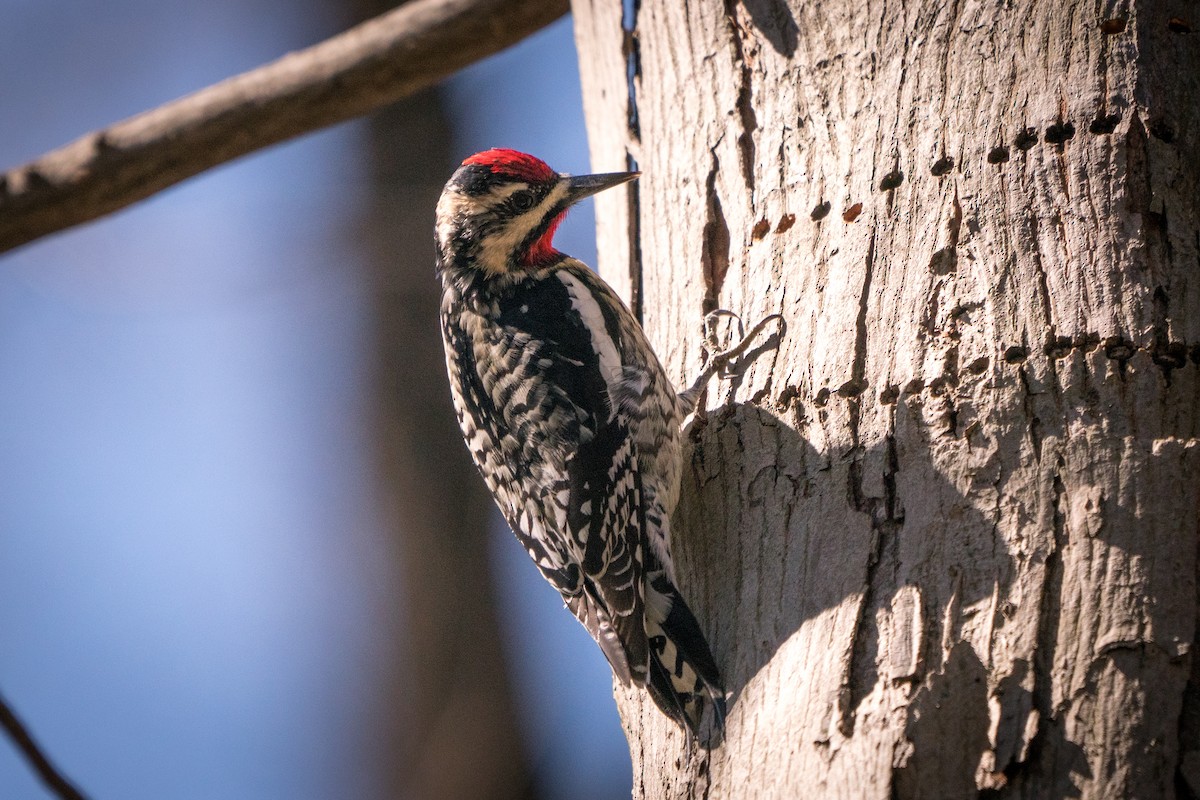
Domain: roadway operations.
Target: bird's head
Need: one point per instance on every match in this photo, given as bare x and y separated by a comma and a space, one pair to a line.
499, 211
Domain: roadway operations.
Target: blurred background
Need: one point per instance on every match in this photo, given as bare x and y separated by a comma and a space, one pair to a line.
242, 552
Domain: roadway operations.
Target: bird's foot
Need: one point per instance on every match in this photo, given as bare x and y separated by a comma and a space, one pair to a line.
720, 357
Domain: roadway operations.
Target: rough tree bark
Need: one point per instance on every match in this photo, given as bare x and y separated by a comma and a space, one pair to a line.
944, 539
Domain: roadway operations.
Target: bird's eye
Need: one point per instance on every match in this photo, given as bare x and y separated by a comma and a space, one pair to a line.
523, 200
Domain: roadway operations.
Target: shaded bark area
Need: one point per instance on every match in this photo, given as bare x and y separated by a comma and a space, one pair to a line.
944, 540
447, 726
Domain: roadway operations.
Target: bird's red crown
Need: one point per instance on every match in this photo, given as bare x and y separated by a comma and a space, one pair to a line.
513, 163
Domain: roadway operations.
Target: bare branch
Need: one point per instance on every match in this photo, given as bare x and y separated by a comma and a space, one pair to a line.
368, 66
21, 737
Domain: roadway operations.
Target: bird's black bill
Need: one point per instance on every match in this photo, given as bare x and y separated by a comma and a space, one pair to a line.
581, 186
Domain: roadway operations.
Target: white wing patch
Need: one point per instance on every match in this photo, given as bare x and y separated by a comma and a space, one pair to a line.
593, 318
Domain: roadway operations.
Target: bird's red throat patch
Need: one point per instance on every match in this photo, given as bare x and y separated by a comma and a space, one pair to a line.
542, 251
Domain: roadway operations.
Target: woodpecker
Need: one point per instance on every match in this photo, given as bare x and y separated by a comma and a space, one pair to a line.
571, 419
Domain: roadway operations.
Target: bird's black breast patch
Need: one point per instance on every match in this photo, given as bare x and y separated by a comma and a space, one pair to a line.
543, 311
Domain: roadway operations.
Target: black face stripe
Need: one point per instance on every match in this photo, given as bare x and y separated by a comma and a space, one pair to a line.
540, 230
512, 208
519, 202
523, 201
475, 179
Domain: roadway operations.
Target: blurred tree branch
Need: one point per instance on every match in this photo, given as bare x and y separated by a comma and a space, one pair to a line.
367, 67
37, 759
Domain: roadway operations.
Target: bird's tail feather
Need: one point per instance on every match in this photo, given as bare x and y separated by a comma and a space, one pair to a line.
684, 678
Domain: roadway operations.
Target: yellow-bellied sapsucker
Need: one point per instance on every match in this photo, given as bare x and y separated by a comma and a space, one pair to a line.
571, 419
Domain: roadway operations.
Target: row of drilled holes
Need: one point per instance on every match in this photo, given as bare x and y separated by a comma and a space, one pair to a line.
1111, 27
1172, 355
1057, 134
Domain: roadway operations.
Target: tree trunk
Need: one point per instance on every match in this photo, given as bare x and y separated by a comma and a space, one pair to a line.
944, 539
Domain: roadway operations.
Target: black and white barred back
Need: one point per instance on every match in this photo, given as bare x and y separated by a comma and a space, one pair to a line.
571, 420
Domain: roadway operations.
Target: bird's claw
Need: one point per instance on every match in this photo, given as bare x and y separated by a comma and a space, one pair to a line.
721, 357
708, 332
718, 358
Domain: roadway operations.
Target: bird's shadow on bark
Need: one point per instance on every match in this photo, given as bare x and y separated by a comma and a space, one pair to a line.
776, 23
903, 570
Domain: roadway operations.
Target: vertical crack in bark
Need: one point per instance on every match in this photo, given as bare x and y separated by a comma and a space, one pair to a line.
633, 73
862, 646
745, 98
1035, 422
892, 509
1158, 244
714, 249
1043, 748
633, 64
1138, 188
893, 179
929, 323
862, 673
944, 45
859, 368
853, 391
1161, 303
1139, 193
945, 260
635, 242
1043, 294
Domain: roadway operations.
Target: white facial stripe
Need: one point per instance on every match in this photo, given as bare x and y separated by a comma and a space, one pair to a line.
500, 245
593, 318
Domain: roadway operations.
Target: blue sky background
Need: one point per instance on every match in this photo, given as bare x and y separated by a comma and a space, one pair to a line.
187, 589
